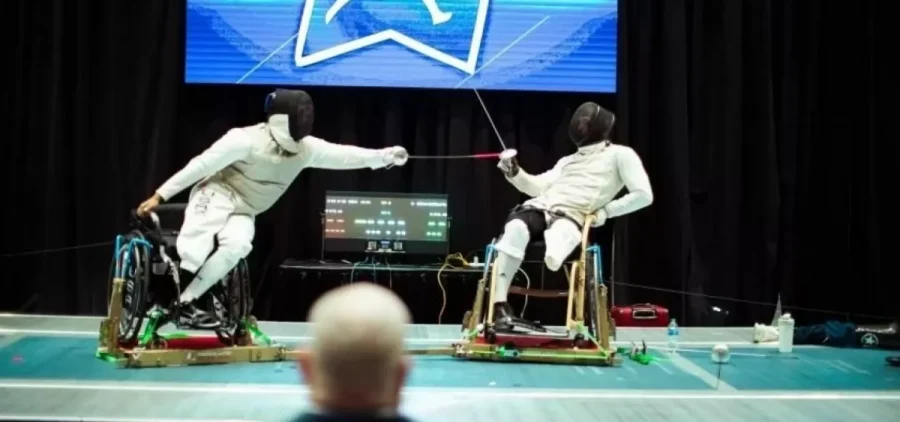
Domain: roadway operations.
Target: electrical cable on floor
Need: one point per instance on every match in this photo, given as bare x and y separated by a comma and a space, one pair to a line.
471, 253
461, 262
443, 292
465, 264
527, 286
353, 269
619, 283
751, 302
390, 273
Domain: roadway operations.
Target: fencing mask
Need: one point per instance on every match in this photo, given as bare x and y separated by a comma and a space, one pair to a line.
290, 116
590, 124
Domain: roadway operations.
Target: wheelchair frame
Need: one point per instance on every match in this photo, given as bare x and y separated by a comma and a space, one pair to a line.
583, 345
158, 354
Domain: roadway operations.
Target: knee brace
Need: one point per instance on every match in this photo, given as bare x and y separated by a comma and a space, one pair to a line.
515, 239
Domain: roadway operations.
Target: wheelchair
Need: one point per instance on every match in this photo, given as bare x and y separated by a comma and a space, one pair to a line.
147, 261
588, 322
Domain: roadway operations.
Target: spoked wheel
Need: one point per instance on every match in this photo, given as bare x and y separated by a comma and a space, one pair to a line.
134, 262
232, 303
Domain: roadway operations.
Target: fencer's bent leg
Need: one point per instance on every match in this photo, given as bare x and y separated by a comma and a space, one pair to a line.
511, 251
235, 243
206, 214
561, 238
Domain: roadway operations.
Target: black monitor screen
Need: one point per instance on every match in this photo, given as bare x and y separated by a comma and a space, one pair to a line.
386, 222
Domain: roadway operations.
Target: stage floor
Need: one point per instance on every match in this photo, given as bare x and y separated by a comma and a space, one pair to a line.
48, 370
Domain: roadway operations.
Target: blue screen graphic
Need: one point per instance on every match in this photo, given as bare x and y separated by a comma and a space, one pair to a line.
532, 45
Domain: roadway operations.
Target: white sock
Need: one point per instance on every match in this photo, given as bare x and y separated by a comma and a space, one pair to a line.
506, 270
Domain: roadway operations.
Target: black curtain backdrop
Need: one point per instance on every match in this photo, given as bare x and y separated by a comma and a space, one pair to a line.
763, 125
765, 129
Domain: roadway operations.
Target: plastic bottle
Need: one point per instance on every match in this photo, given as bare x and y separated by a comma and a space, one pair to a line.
785, 334
672, 332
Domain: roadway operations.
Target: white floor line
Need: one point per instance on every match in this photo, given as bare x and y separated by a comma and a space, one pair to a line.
835, 366
83, 333
693, 369
852, 367
12, 417
7, 341
663, 367
418, 392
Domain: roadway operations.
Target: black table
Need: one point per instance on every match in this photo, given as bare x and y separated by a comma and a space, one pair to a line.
325, 266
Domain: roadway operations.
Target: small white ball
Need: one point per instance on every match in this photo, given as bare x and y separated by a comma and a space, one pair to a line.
720, 354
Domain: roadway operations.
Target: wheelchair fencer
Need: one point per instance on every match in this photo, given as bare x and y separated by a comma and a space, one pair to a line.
146, 263
588, 326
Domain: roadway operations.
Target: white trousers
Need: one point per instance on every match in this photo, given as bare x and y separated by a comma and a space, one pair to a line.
210, 216
561, 238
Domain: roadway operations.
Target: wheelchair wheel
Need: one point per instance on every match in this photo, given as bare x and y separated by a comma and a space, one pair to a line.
134, 291
234, 304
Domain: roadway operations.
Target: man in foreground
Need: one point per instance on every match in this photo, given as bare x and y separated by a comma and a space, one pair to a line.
356, 365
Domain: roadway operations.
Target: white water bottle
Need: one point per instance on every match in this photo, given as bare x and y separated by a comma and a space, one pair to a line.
672, 333
785, 333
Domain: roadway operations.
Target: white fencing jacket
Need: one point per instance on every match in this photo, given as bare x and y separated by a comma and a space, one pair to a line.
246, 163
586, 182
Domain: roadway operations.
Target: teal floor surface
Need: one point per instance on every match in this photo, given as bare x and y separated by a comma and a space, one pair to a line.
806, 369
70, 358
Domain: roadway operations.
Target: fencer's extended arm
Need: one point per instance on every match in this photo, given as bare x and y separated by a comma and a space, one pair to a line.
640, 194
233, 146
533, 184
326, 155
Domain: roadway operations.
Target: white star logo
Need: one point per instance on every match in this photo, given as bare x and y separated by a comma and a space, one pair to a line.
869, 340
467, 65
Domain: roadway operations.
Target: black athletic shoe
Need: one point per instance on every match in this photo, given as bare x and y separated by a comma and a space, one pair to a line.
505, 321
190, 316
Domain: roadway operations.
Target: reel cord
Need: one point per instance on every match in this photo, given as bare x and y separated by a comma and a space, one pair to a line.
461, 262
55, 250
621, 283
370, 260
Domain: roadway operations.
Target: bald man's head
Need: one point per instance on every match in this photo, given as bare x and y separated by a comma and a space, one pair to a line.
357, 358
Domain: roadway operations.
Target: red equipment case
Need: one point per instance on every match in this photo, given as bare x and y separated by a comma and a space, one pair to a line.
640, 315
